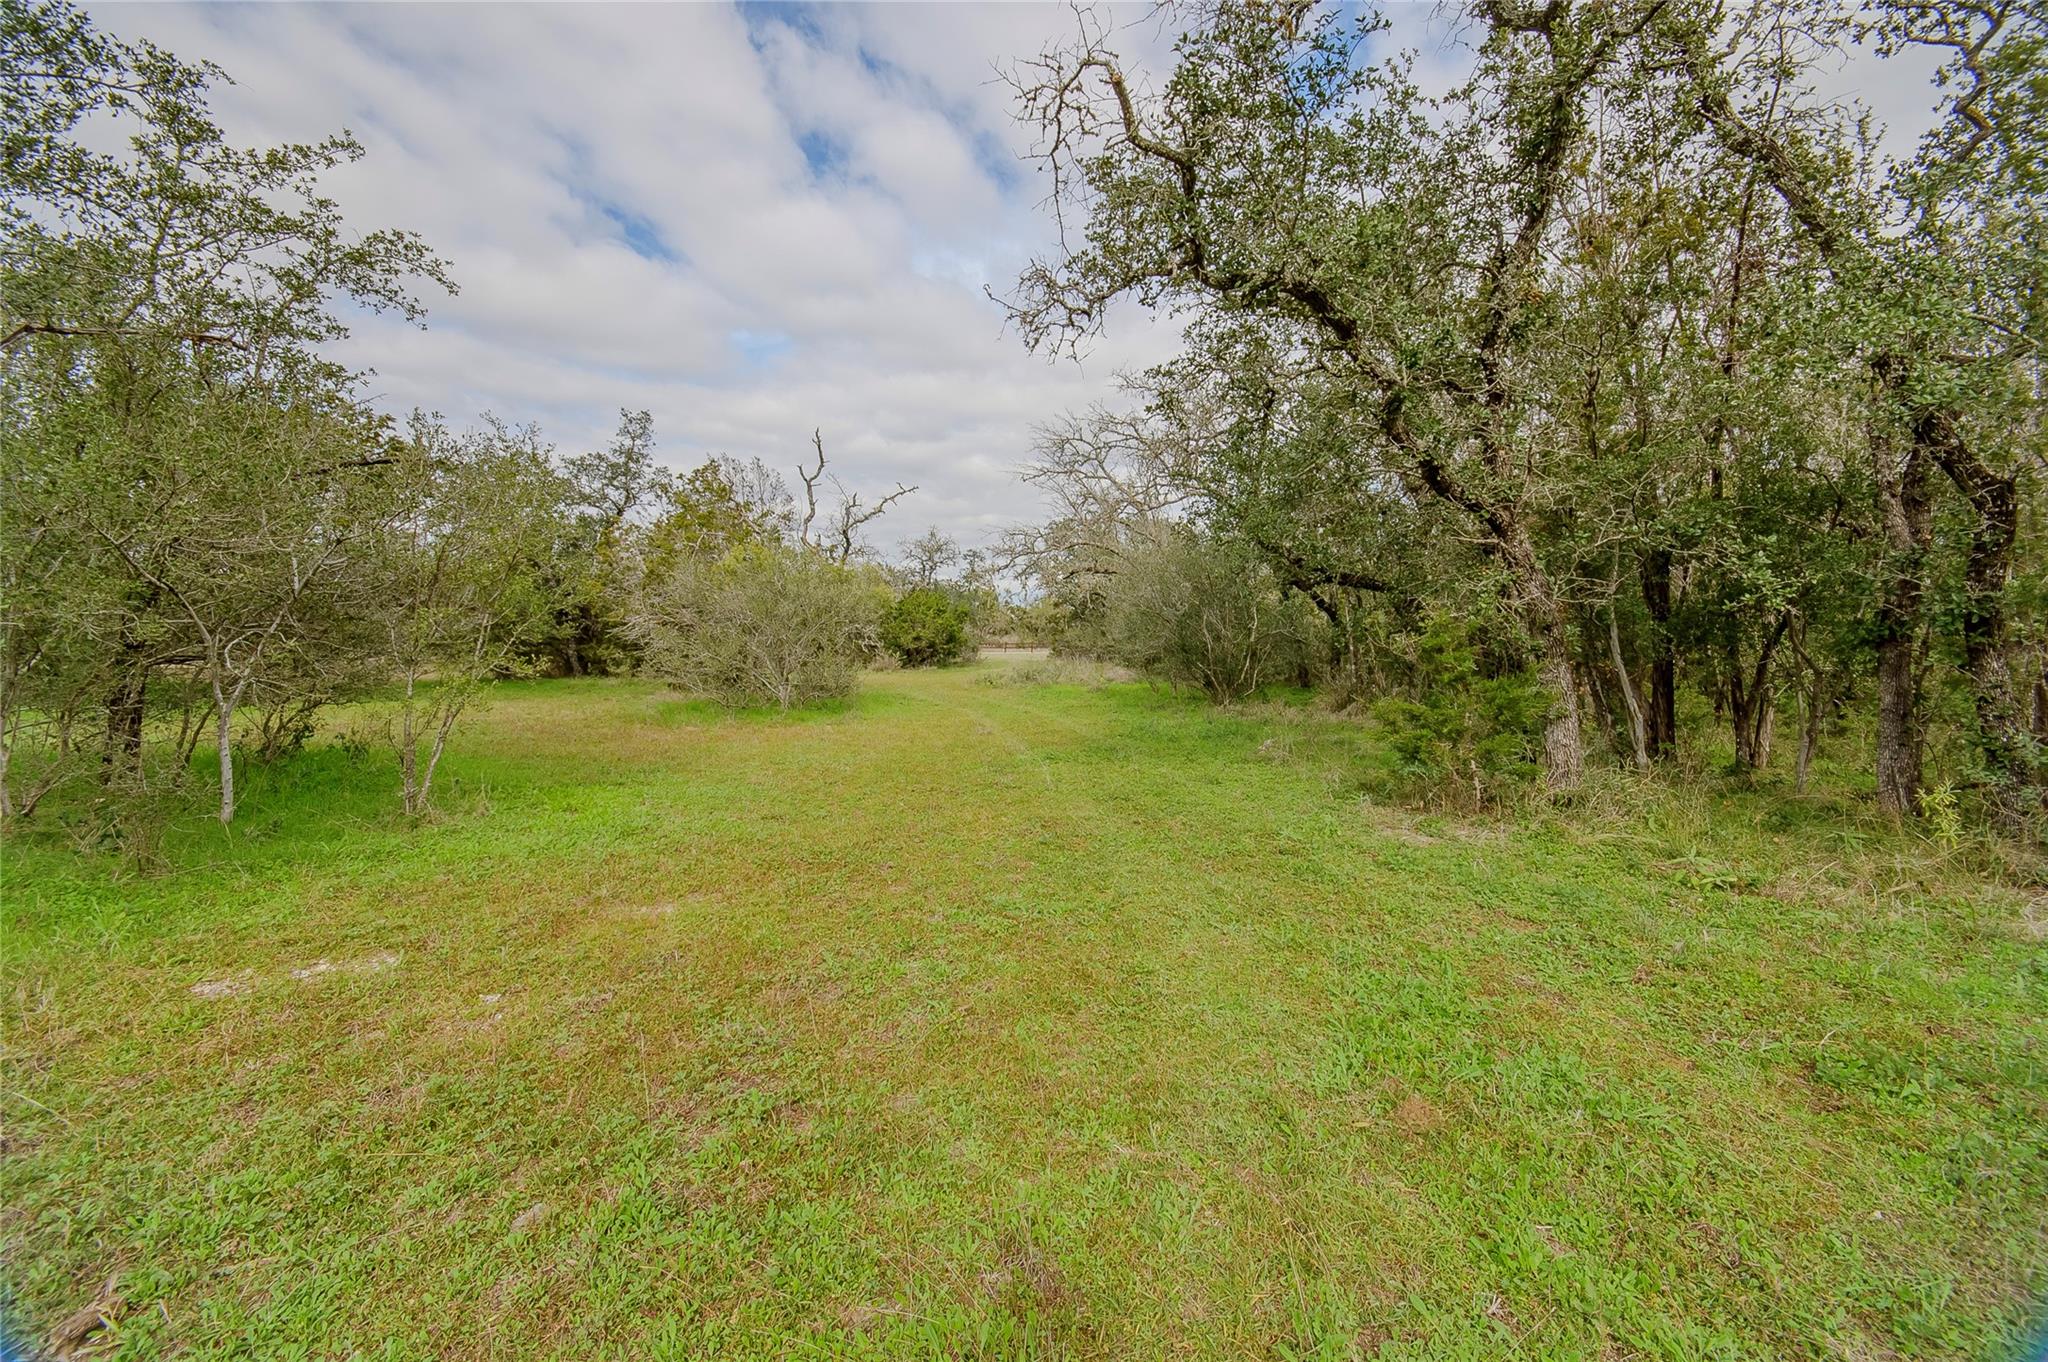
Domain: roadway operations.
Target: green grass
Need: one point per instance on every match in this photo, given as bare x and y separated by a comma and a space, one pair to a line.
971, 1020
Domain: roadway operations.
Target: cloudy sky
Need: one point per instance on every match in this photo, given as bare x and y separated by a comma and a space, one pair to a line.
751, 221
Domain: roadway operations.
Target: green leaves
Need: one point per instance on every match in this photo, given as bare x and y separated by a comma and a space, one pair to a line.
926, 627
178, 238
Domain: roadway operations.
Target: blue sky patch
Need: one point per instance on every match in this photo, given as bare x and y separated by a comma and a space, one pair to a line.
639, 232
760, 347
824, 155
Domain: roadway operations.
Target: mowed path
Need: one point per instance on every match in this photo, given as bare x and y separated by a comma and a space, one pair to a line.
978, 1019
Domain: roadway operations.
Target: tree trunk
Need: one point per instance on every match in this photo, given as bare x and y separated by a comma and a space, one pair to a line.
224, 701
1617, 736
1752, 702
2001, 731
1564, 752
1542, 615
123, 751
1638, 729
426, 786
1905, 509
224, 713
408, 748
1661, 717
1898, 737
1736, 709
188, 741
1809, 734
1564, 748
2040, 720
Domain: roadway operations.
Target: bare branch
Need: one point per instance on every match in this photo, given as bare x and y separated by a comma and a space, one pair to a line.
27, 329
848, 519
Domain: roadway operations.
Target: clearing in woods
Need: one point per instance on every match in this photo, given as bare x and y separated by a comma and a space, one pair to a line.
986, 1018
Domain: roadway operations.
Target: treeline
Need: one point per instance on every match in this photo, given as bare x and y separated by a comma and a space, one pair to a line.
1634, 367
1632, 370
206, 536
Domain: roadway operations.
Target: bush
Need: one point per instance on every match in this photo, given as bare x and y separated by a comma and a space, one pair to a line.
765, 624
1201, 613
1042, 623
1467, 734
1056, 671
927, 627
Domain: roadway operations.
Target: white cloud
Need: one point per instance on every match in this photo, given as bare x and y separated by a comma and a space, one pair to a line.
752, 222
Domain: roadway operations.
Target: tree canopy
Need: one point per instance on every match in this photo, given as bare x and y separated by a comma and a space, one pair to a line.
1634, 334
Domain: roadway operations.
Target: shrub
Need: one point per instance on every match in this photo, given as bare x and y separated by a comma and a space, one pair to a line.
765, 624
927, 627
1201, 613
1056, 671
1042, 623
1464, 732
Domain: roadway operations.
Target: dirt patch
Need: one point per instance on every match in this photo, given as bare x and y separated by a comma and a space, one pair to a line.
797, 1119
365, 964
2034, 918
1417, 1116
1369, 1339
503, 1292
234, 986
1025, 1280
1406, 827
860, 1318
72, 1337
410, 1097
803, 990
1714, 1242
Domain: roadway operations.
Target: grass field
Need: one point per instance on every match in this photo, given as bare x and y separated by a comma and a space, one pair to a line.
1004, 1020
